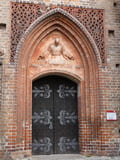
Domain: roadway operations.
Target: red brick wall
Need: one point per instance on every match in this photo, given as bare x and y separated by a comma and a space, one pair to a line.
98, 137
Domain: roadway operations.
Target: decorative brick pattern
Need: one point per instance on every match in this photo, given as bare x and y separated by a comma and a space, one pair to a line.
25, 14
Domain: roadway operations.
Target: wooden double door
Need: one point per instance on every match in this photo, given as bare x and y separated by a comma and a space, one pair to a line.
54, 116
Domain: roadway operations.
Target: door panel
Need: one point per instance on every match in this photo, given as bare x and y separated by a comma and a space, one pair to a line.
55, 121
65, 106
42, 117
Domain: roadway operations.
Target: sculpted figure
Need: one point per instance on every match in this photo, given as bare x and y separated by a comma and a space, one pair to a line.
56, 53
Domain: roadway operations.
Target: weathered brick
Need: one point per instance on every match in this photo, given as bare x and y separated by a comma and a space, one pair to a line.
99, 137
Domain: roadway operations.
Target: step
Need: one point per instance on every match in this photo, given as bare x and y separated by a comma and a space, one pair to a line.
72, 157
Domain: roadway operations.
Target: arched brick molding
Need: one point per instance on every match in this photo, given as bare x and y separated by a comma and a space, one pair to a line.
70, 17
58, 22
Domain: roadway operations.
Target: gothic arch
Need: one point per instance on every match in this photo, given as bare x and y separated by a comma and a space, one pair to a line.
57, 13
86, 73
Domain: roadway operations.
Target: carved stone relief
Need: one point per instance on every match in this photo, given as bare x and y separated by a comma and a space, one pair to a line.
55, 51
56, 54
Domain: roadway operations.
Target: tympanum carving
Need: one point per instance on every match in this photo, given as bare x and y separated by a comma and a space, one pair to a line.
56, 54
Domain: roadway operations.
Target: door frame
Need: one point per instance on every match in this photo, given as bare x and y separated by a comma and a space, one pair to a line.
74, 78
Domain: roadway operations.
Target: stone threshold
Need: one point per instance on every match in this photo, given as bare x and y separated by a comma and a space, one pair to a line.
72, 157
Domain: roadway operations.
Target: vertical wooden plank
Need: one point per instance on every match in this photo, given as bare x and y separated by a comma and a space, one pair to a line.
42, 117
66, 119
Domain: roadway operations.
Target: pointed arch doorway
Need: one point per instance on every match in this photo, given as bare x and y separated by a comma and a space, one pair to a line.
79, 59
54, 116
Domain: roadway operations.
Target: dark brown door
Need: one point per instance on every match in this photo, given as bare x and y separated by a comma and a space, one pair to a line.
54, 116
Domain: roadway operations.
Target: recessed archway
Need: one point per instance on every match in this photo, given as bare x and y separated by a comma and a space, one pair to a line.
79, 60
